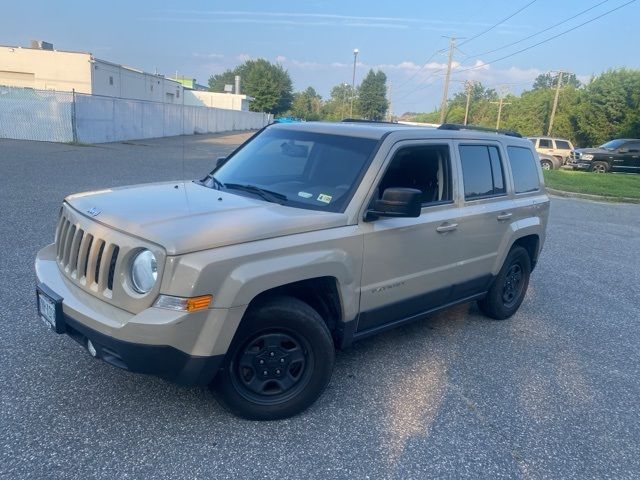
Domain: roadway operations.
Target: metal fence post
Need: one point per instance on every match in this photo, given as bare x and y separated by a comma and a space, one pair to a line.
74, 129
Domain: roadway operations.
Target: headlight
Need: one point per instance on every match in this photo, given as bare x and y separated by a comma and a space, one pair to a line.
586, 156
144, 271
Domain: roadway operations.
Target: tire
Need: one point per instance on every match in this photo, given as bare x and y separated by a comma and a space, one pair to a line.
279, 362
546, 164
600, 167
509, 287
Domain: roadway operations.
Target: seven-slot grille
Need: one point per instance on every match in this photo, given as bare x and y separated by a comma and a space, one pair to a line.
88, 260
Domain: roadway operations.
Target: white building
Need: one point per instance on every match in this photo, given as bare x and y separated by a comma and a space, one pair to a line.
227, 101
47, 69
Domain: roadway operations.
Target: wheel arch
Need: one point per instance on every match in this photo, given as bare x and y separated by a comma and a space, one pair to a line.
525, 233
320, 293
531, 243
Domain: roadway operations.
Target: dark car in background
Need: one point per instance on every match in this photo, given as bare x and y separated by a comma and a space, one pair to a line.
620, 155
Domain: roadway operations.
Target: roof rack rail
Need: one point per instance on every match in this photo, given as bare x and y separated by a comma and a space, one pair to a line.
362, 120
457, 126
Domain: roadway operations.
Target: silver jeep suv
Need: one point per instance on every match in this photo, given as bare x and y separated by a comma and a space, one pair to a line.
305, 239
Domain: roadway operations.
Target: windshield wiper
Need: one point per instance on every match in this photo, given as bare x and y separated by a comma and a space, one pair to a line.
217, 184
268, 195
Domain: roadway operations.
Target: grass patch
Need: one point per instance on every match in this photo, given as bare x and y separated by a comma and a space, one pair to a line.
607, 184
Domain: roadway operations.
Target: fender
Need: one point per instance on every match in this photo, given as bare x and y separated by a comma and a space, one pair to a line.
518, 229
248, 280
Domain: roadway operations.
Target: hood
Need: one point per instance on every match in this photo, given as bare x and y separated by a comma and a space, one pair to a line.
186, 217
592, 150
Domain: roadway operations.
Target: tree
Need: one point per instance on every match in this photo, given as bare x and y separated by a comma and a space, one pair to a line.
372, 96
306, 104
548, 80
609, 108
268, 84
337, 107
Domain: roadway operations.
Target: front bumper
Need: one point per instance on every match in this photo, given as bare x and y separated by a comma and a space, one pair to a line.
580, 165
187, 348
160, 360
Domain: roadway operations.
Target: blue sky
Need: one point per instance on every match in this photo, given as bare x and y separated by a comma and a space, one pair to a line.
314, 40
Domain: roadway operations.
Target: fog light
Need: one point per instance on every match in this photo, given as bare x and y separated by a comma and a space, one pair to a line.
91, 348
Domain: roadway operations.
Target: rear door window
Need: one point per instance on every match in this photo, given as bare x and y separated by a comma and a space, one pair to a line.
524, 169
562, 145
482, 171
545, 143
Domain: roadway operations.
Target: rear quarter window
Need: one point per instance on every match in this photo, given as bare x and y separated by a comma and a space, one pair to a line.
524, 169
562, 145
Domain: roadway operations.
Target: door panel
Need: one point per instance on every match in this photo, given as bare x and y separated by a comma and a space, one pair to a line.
631, 161
412, 264
409, 267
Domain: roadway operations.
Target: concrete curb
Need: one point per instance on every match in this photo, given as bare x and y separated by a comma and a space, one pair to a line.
587, 196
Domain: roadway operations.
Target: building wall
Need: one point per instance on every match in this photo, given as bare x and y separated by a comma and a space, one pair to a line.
227, 101
114, 80
45, 69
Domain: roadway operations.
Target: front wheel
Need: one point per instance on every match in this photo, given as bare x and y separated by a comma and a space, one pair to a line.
509, 287
599, 167
279, 362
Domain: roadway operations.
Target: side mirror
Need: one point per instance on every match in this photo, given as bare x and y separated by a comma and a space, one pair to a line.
220, 161
397, 202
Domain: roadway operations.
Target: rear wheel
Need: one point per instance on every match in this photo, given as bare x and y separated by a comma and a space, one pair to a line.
546, 164
509, 287
599, 167
279, 362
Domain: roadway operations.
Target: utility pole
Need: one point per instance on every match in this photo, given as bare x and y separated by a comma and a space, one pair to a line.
445, 92
389, 111
500, 103
343, 112
353, 79
555, 101
469, 87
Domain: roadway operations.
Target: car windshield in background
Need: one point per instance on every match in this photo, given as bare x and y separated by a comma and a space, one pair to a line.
612, 145
299, 169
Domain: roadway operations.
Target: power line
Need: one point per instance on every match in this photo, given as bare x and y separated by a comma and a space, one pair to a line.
519, 51
545, 40
499, 23
537, 33
426, 62
422, 84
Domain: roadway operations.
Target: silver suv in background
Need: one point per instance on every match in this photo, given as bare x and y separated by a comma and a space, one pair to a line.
559, 148
307, 238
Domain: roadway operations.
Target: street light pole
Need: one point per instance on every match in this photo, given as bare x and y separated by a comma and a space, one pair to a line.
353, 79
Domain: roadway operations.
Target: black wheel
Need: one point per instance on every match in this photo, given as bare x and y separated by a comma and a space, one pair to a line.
546, 164
509, 287
599, 167
279, 362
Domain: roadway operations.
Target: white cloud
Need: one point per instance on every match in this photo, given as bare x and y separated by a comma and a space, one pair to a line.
243, 57
281, 59
207, 55
320, 20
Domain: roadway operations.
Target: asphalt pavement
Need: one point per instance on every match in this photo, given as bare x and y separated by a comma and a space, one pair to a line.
551, 393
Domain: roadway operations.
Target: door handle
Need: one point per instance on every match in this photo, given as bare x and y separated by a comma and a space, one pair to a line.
447, 227
504, 216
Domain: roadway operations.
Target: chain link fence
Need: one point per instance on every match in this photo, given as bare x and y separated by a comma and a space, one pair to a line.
29, 114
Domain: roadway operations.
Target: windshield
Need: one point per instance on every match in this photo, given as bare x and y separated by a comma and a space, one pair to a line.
300, 169
612, 145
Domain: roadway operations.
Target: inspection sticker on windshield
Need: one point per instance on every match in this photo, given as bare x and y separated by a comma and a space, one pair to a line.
324, 198
305, 194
